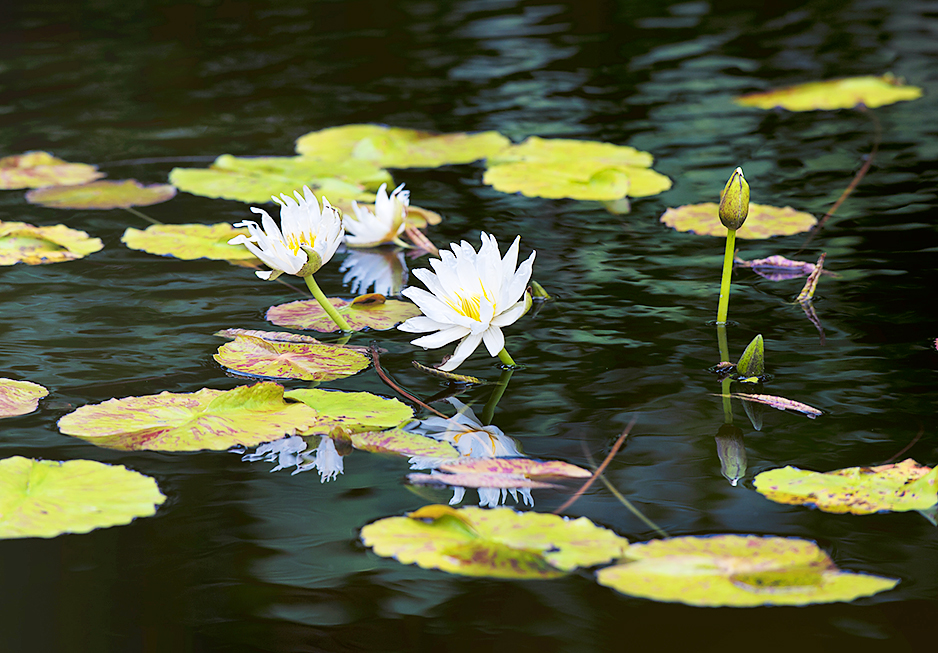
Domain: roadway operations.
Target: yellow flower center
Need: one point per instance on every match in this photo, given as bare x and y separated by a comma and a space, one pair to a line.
294, 242
468, 306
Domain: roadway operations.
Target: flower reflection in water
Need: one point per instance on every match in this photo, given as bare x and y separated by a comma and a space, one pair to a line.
383, 268
294, 452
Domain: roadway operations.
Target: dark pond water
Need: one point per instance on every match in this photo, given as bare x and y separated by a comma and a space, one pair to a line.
240, 559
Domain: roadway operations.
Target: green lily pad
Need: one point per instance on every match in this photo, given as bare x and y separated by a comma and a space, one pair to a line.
41, 169
394, 147
45, 498
737, 571
24, 243
846, 93
498, 543
518, 466
858, 490
207, 419
19, 397
255, 179
763, 221
307, 314
290, 360
343, 413
404, 443
189, 241
102, 195
584, 170
478, 480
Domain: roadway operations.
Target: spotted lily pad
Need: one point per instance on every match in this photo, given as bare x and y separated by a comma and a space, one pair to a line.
255, 179
584, 170
394, 147
519, 466
19, 397
737, 571
342, 413
207, 419
846, 93
498, 543
858, 490
189, 241
307, 314
24, 243
290, 360
763, 221
405, 443
102, 195
270, 336
41, 169
45, 498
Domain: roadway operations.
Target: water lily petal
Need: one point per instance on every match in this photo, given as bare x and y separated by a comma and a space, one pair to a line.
441, 338
494, 340
462, 352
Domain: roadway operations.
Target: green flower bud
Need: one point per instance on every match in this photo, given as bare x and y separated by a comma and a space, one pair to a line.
734, 201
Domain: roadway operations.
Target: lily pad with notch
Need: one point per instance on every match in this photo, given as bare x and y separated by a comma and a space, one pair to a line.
371, 311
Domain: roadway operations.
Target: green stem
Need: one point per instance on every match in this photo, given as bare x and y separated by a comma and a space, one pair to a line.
724, 306
504, 357
489, 411
727, 401
326, 304
141, 215
721, 341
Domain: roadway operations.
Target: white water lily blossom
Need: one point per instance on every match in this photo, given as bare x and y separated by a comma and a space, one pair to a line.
305, 241
369, 228
471, 297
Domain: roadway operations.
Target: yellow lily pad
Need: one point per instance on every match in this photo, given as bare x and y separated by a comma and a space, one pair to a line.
404, 443
290, 360
24, 243
737, 571
19, 397
395, 147
102, 195
45, 498
207, 419
342, 413
189, 241
763, 221
41, 169
498, 543
858, 490
307, 314
254, 179
846, 93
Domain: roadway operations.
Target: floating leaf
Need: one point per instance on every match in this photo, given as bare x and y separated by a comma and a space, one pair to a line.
780, 403
540, 180
845, 93
858, 490
752, 362
207, 419
24, 243
351, 412
518, 466
255, 179
807, 293
307, 314
394, 147
189, 241
45, 498
270, 336
102, 195
478, 480
763, 221
452, 377
290, 360
19, 397
777, 268
41, 169
499, 543
737, 571
406, 443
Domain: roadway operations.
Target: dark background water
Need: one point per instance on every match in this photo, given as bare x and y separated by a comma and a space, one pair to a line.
239, 559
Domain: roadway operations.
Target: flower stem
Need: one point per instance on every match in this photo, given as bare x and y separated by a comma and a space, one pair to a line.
489, 411
724, 305
504, 357
326, 305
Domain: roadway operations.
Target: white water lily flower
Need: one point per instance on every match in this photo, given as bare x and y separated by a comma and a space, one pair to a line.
383, 225
472, 296
306, 240
384, 269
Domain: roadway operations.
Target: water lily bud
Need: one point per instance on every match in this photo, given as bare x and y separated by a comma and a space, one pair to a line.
734, 201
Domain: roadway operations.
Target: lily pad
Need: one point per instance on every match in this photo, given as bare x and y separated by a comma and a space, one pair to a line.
763, 221
737, 571
518, 466
270, 336
478, 480
45, 498
24, 243
290, 360
41, 169
102, 195
19, 397
189, 241
394, 147
858, 490
350, 412
207, 419
585, 170
498, 543
255, 179
405, 443
307, 314
846, 93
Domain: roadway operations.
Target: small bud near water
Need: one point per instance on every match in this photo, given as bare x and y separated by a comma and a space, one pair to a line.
734, 201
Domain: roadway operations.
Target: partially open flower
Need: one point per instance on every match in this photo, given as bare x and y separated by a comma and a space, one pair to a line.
383, 225
734, 201
305, 241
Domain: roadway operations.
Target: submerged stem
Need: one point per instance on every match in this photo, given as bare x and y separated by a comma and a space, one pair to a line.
724, 305
489, 411
326, 304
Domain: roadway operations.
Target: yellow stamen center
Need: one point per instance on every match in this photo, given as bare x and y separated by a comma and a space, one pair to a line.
294, 242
